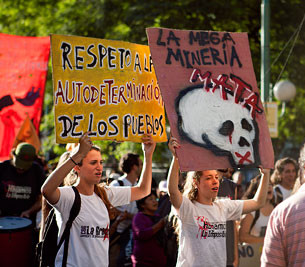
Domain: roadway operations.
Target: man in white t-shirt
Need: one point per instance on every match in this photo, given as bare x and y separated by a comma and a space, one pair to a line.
131, 165
284, 177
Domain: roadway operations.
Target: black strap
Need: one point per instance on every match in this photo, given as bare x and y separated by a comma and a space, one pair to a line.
256, 216
66, 234
121, 183
279, 195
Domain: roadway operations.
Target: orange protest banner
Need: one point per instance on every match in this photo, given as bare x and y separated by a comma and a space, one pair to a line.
27, 133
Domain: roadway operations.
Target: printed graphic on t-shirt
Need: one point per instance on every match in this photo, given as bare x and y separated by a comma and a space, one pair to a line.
94, 232
208, 229
17, 192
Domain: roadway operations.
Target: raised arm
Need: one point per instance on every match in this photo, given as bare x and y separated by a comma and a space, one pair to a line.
260, 196
143, 188
50, 187
173, 175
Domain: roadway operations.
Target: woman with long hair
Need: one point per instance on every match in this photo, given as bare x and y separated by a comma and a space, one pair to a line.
283, 178
202, 217
253, 225
89, 234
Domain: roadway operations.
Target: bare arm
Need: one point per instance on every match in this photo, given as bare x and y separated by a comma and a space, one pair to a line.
244, 231
45, 209
33, 209
173, 175
50, 187
143, 188
260, 196
236, 257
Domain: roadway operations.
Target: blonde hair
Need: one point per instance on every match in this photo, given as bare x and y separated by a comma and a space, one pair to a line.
190, 190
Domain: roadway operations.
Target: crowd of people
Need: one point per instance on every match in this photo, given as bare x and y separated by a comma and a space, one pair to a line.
193, 219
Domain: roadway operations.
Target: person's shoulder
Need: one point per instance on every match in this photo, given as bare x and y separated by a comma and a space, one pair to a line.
6, 167
118, 182
288, 206
5, 163
66, 188
115, 183
228, 202
37, 167
186, 202
277, 187
222, 201
66, 191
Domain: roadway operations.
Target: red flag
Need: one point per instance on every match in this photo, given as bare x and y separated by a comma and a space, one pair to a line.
23, 72
27, 133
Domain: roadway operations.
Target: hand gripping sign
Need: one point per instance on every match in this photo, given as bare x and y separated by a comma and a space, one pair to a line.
106, 87
211, 97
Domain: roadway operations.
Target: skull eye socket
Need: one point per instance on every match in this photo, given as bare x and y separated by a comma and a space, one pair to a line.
243, 142
227, 128
246, 125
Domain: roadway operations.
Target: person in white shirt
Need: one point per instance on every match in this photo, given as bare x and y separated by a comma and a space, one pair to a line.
89, 234
283, 178
202, 218
253, 225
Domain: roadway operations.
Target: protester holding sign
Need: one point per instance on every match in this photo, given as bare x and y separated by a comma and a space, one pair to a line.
89, 237
202, 237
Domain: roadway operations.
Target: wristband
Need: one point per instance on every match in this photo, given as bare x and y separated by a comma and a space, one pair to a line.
73, 161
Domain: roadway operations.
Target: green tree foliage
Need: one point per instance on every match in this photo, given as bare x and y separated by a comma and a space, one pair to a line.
128, 20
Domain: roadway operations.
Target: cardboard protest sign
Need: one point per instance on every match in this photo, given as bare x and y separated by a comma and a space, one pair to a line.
106, 87
250, 254
23, 67
211, 98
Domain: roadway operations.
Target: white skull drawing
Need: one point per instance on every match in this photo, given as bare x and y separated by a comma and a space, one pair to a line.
222, 126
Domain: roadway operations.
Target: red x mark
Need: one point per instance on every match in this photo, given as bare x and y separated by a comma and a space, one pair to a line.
106, 235
243, 158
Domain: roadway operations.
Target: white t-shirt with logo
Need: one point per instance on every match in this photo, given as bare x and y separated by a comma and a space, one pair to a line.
89, 234
202, 239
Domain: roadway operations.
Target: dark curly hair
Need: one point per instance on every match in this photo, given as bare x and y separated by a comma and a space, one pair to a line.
128, 161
